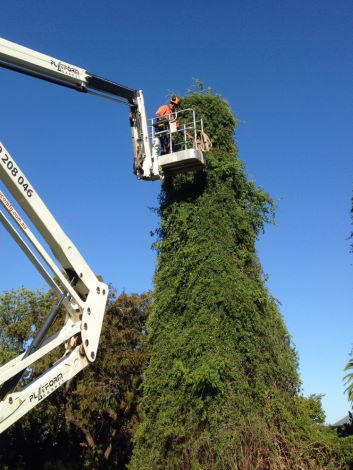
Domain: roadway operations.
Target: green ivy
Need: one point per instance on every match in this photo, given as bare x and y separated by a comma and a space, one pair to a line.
222, 387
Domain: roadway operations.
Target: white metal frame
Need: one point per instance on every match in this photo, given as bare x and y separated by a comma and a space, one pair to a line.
85, 302
191, 125
182, 138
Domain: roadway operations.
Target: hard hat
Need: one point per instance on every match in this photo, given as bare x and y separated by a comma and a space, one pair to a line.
175, 100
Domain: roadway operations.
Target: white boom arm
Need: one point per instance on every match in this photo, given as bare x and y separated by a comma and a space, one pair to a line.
27, 61
85, 301
83, 296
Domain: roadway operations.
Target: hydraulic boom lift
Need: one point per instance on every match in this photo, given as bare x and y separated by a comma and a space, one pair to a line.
77, 287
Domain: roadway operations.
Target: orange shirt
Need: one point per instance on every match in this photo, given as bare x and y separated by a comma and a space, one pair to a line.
164, 110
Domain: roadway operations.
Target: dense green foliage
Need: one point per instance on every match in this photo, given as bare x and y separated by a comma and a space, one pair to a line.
20, 311
222, 388
103, 404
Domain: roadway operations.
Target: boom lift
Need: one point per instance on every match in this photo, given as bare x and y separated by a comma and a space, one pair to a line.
80, 292
147, 164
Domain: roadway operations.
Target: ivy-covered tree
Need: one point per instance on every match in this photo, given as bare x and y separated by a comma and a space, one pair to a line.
222, 387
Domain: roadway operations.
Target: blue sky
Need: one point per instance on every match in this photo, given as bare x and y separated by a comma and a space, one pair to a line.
284, 66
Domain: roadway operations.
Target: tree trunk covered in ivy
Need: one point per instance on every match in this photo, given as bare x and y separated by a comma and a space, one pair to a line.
221, 388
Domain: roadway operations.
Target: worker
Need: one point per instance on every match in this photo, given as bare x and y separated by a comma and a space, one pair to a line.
168, 109
164, 114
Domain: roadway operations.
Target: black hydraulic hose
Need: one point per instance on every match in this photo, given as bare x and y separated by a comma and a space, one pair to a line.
107, 86
10, 384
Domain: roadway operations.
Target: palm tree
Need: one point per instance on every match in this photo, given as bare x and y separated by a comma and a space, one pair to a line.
349, 380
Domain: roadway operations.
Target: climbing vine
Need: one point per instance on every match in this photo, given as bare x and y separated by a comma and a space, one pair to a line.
222, 389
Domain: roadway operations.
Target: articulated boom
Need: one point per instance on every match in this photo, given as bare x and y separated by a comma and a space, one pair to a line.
79, 291
83, 296
29, 62
147, 162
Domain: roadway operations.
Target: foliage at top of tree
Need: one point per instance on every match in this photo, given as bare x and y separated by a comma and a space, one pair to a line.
222, 387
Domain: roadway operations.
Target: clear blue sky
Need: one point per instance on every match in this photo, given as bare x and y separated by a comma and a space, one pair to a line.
286, 69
